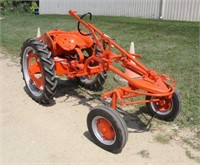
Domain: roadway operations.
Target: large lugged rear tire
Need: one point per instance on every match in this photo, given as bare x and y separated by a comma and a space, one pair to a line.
94, 83
38, 71
165, 109
107, 128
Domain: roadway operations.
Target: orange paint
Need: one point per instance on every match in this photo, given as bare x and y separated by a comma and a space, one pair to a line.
78, 55
106, 129
35, 69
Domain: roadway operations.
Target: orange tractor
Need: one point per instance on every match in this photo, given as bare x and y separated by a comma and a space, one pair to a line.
87, 57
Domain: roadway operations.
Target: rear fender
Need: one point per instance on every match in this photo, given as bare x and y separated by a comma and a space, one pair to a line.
59, 42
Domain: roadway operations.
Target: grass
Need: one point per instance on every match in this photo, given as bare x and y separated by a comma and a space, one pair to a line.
193, 142
144, 153
169, 47
191, 156
162, 138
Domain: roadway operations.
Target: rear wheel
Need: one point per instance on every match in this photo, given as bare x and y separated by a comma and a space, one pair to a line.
94, 82
166, 108
38, 70
107, 128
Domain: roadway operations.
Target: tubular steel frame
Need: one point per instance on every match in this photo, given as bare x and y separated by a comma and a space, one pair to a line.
149, 84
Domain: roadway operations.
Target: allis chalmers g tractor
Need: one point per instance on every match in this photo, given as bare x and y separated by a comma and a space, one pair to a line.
87, 57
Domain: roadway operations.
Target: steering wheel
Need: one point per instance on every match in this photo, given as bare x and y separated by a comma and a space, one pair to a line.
78, 25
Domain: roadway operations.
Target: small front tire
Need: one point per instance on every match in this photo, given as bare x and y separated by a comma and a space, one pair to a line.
165, 109
107, 128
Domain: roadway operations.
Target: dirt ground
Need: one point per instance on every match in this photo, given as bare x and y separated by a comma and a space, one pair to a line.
57, 134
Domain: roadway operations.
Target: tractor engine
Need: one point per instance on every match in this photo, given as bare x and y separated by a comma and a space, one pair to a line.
68, 49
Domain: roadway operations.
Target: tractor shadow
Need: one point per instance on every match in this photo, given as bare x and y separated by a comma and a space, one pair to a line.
138, 121
67, 91
71, 89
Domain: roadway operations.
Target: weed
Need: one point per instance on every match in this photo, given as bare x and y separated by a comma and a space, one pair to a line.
162, 138
191, 156
144, 153
193, 142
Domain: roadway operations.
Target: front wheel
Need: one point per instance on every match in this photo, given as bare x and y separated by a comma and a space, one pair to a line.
166, 108
107, 128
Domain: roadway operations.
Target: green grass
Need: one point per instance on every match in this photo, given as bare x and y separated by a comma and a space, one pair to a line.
191, 156
162, 138
168, 47
193, 142
144, 153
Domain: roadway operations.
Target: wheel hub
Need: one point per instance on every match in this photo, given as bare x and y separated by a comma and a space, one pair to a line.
106, 129
163, 105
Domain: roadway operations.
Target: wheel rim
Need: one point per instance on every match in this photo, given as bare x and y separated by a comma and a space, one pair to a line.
162, 107
103, 130
33, 72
